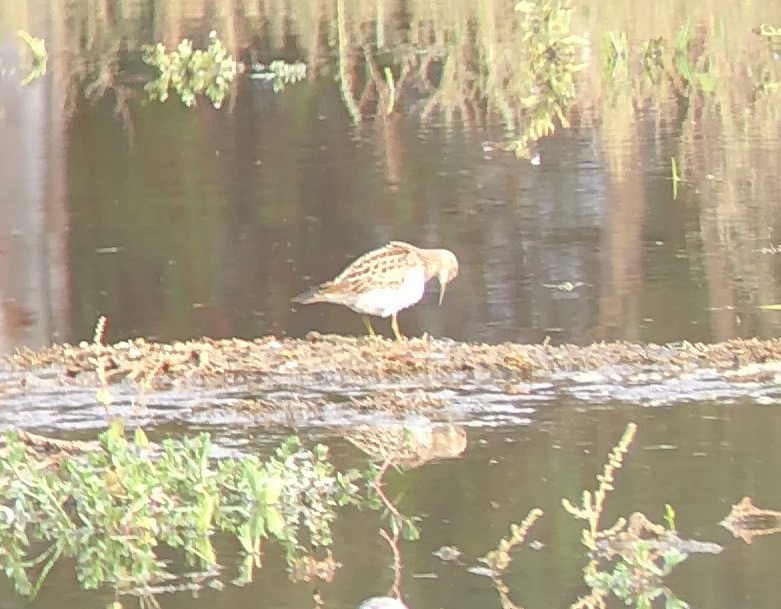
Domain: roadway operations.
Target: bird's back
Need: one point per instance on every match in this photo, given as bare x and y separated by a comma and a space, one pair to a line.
386, 268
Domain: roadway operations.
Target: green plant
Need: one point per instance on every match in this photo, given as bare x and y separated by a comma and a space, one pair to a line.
628, 560
636, 579
499, 559
669, 516
114, 508
592, 504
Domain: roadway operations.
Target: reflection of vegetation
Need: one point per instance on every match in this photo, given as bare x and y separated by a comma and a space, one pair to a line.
40, 56
616, 53
191, 72
114, 507
766, 79
551, 57
411, 444
674, 176
694, 65
279, 73
686, 65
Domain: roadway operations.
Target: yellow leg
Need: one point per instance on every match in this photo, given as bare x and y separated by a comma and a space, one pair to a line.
367, 322
395, 328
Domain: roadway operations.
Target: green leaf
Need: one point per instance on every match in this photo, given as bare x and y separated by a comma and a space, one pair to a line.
672, 558
275, 522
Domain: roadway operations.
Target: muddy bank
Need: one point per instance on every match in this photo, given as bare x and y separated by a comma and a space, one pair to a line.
333, 381
364, 361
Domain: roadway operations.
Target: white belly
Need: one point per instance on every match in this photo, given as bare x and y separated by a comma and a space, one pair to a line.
384, 302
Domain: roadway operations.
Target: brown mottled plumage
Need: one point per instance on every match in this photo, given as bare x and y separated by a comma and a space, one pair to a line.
384, 281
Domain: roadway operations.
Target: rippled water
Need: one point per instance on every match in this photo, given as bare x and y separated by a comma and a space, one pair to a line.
178, 223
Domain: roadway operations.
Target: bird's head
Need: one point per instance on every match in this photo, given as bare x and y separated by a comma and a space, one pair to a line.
447, 264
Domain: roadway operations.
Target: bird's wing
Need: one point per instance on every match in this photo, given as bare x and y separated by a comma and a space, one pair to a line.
386, 267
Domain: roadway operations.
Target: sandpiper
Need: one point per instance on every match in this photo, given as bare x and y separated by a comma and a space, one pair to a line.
384, 281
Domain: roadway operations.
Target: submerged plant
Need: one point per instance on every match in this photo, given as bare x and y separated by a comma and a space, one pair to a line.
191, 72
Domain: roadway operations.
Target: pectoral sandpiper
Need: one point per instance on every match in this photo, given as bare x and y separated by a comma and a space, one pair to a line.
384, 281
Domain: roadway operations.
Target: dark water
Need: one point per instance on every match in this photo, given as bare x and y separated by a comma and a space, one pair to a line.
178, 223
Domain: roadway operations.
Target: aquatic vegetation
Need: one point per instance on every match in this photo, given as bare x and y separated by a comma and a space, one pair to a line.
191, 72
37, 46
499, 559
637, 577
628, 560
631, 558
592, 504
279, 73
114, 508
103, 394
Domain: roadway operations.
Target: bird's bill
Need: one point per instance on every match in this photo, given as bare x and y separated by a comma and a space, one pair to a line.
442, 287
